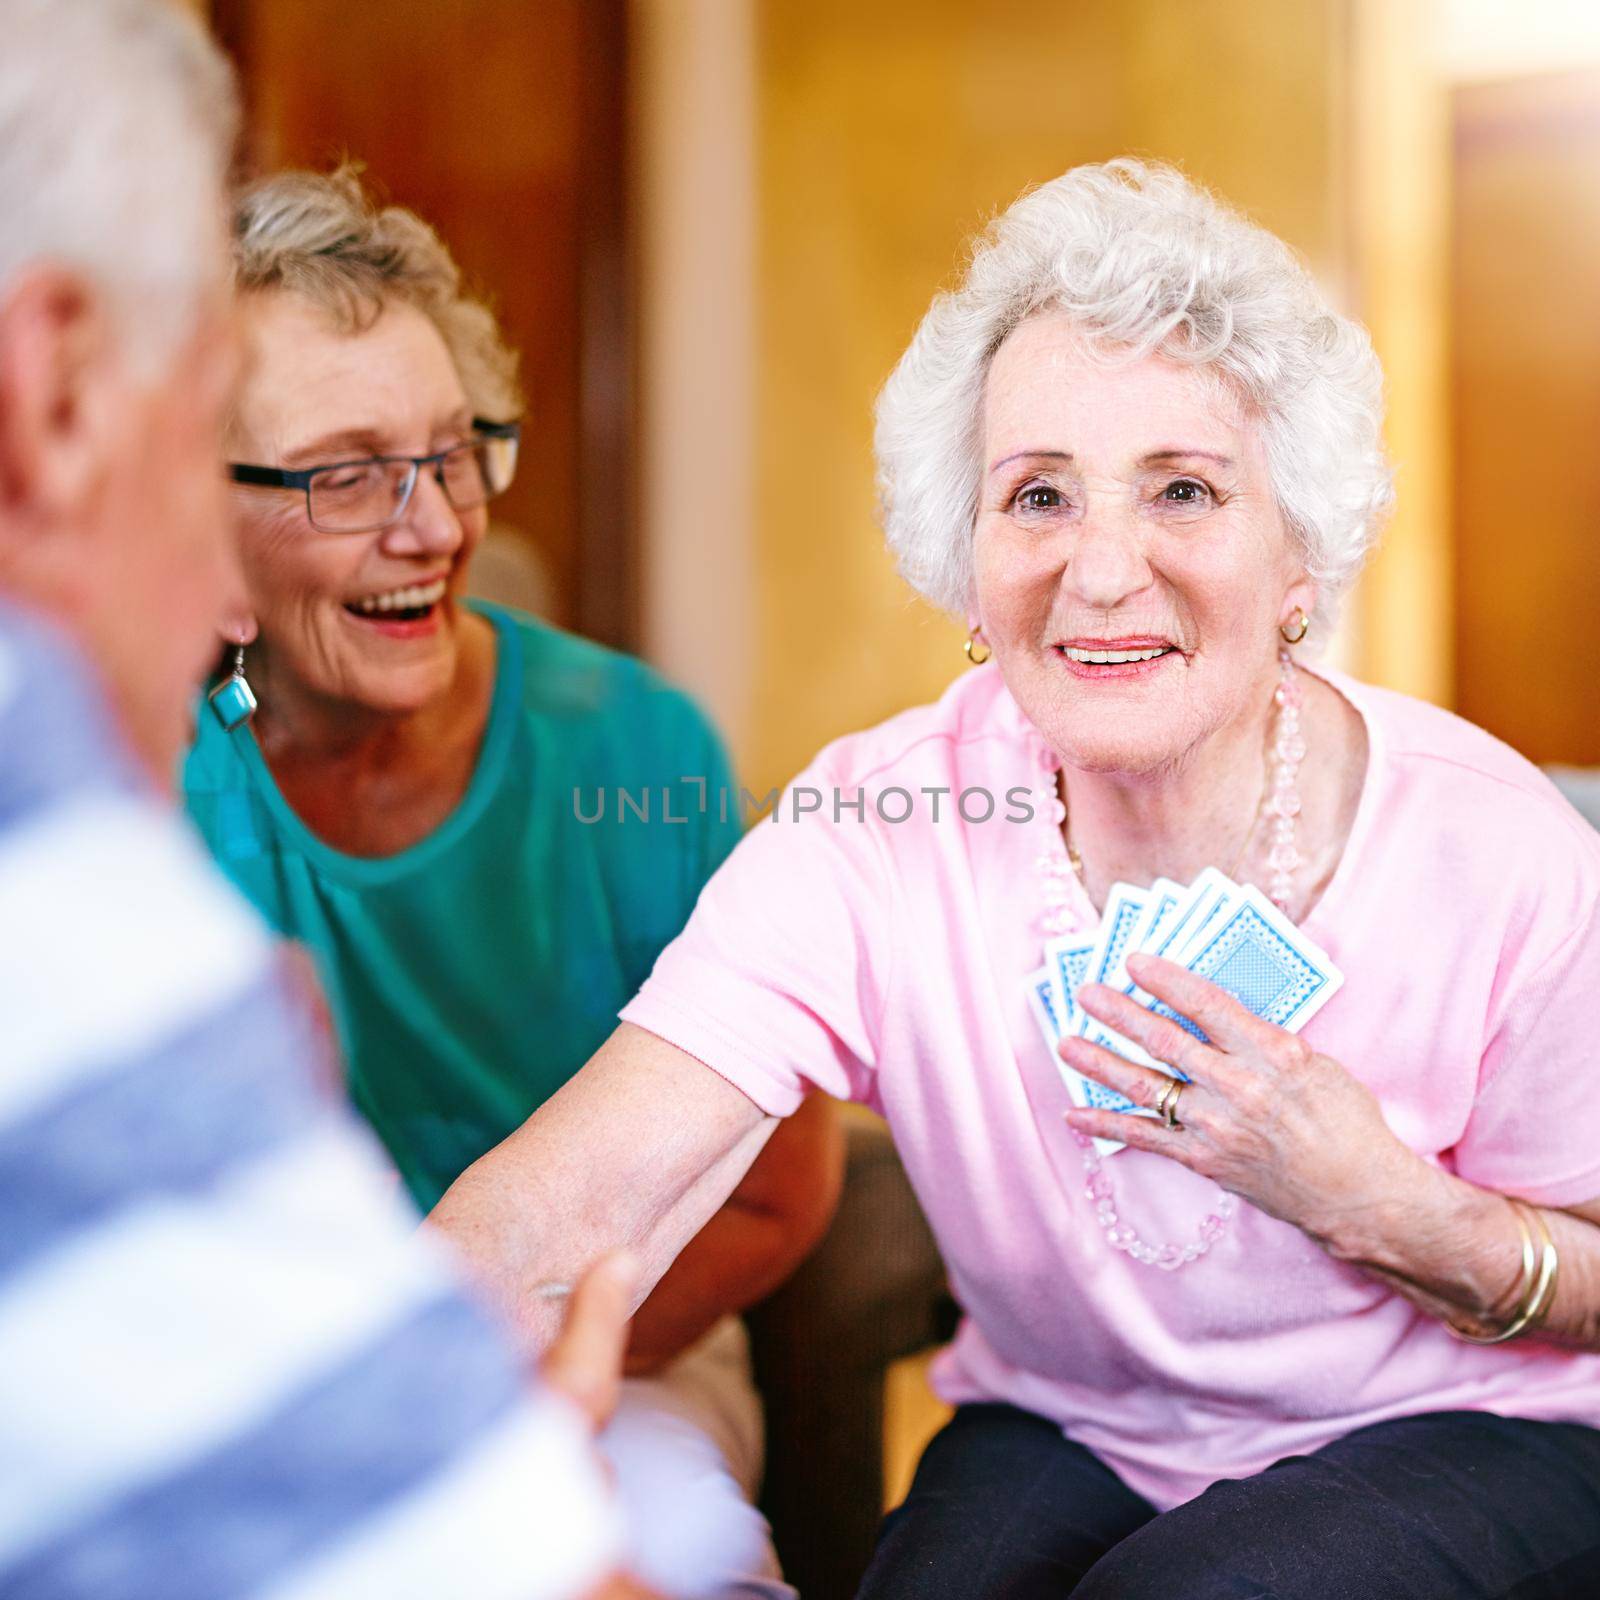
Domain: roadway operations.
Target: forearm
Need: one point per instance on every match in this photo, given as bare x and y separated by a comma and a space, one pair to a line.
638, 1151
1455, 1251
738, 1258
530, 1223
771, 1224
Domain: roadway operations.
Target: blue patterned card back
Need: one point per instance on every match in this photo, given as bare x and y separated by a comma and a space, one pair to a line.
1255, 954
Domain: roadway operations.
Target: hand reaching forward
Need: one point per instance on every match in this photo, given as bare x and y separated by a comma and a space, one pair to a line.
585, 1364
585, 1361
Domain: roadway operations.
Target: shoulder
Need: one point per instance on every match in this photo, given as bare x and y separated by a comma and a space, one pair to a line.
133, 936
185, 1169
131, 933
1470, 770
57, 730
592, 688
1490, 822
973, 719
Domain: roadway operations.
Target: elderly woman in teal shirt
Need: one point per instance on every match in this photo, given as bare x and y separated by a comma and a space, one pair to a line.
415, 800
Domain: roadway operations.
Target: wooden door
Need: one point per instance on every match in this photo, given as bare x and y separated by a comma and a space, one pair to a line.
501, 122
1526, 392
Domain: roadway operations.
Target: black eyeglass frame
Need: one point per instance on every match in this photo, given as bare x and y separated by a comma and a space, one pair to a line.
300, 477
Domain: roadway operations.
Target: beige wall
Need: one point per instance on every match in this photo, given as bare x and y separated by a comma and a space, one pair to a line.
887, 132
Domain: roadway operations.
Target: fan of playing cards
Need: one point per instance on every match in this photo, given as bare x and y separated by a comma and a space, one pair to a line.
1227, 932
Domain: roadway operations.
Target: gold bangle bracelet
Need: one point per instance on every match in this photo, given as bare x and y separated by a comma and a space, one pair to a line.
1551, 1267
1536, 1291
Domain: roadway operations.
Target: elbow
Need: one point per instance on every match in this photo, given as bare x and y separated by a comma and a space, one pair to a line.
810, 1202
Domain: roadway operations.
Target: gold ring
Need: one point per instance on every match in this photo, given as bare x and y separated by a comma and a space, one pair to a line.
1167, 1101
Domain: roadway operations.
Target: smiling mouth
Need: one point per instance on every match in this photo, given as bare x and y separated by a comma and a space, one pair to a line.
413, 603
1113, 655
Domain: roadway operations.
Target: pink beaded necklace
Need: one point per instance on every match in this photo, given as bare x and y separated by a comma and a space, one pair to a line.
1059, 865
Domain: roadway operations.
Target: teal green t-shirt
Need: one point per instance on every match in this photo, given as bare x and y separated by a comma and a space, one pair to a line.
471, 975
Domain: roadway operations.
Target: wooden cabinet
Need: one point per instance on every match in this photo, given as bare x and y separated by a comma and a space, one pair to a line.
1526, 397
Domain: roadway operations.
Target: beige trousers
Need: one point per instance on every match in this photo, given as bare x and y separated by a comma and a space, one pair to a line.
687, 1448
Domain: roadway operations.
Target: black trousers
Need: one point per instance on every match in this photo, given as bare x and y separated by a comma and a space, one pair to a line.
1435, 1507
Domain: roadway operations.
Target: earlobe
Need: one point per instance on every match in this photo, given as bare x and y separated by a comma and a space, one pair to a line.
1294, 617
1300, 601
238, 626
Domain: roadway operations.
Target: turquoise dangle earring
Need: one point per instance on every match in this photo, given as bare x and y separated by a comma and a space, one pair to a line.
233, 700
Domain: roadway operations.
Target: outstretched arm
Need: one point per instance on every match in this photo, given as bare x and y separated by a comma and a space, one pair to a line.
770, 1224
638, 1150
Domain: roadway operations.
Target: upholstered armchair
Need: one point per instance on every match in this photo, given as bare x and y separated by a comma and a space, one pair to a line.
873, 1292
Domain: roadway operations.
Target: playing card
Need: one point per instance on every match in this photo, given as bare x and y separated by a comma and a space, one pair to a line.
1213, 892
1205, 898
1124, 909
1125, 905
1163, 899
1228, 933
1253, 952
1042, 1002
1067, 960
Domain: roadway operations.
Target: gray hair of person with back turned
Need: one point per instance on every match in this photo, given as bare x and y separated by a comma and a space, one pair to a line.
1144, 262
117, 121
321, 236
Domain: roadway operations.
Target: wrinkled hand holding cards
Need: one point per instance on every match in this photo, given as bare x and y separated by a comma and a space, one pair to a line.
1227, 932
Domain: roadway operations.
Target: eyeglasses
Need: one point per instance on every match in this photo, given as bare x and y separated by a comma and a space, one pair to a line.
363, 496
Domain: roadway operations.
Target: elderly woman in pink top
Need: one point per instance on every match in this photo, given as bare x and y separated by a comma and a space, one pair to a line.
1250, 1354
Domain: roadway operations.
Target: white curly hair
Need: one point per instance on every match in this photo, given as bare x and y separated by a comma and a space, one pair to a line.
1143, 261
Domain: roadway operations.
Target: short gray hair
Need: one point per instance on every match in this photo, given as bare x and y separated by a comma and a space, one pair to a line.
322, 237
1142, 261
117, 122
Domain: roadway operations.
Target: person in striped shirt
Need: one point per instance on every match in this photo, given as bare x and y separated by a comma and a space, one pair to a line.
232, 1365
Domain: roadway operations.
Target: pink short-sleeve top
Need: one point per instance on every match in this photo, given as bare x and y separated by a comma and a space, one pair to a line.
872, 939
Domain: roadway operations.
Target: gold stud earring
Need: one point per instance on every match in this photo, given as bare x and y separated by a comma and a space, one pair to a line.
1300, 633
976, 637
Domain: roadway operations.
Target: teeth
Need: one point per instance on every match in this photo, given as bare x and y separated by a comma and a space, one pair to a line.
407, 599
1116, 655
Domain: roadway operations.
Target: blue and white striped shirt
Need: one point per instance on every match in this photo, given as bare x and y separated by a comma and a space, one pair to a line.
229, 1364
